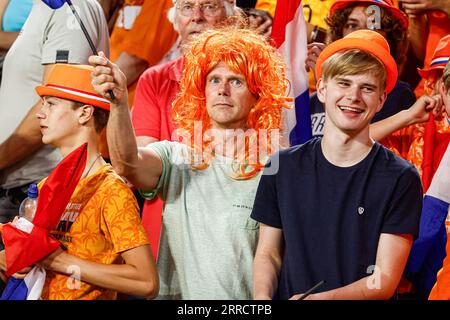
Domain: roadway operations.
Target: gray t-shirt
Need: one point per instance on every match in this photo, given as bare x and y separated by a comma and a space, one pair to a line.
46, 34
208, 239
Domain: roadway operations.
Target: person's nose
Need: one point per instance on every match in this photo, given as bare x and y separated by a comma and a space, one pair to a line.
40, 114
197, 15
223, 88
353, 93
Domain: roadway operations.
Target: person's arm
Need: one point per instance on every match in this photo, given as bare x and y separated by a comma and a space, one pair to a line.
142, 141
27, 138
418, 24
417, 113
2, 261
416, 7
6, 38
137, 276
142, 167
132, 66
392, 254
267, 262
314, 50
260, 20
418, 34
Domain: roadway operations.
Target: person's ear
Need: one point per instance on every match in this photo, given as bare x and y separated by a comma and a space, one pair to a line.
86, 113
321, 90
442, 90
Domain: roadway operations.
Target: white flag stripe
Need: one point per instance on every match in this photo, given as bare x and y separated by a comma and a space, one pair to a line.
80, 94
440, 185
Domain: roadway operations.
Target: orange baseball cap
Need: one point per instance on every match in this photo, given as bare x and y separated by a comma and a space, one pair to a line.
72, 82
440, 57
386, 4
368, 41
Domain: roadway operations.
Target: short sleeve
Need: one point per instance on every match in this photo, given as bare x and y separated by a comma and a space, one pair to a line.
146, 113
164, 149
152, 34
121, 218
405, 208
64, 35
265, 208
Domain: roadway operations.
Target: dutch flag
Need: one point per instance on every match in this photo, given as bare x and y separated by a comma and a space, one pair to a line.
289, 34
30, 288
429, 250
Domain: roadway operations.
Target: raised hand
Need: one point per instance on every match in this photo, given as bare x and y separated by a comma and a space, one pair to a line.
314, 50
418, 7
107, 76
261, 21
420, 110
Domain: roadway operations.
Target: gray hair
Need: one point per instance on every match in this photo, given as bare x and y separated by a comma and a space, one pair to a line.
230, 10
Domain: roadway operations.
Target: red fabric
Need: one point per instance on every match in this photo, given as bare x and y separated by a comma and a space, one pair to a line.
151, 116
157, 89
284, 13
152, 220
428, 146
39, 244
434, 146
23, 249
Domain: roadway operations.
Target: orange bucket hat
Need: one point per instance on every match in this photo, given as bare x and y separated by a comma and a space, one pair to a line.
368, 41
386, 4
72, 82
440, 57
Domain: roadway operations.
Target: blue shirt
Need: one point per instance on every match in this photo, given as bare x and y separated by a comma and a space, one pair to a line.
16, 14
332, 217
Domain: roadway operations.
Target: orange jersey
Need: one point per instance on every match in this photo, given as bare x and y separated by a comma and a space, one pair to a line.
143, 30
100, 222
439, 26
408, 142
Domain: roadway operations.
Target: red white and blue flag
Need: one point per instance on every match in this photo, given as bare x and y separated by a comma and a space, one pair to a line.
429, 249
289, 34
29, 242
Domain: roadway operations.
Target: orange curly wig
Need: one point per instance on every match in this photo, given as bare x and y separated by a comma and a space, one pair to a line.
246, 53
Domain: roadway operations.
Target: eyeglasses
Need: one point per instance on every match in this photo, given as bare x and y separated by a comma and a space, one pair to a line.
208, 9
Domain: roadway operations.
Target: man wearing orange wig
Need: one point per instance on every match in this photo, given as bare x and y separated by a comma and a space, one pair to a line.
342, 210
228, 114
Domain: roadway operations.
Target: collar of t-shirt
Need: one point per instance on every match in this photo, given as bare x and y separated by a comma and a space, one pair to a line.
176, 70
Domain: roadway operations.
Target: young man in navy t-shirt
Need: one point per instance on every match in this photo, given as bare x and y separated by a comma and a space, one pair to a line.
341, 209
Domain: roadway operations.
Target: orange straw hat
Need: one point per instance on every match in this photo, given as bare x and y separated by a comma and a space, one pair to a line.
386, 4
440, 57
72, 82
368, 41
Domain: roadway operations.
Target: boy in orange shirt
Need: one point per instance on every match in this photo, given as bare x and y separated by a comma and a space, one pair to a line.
106, 249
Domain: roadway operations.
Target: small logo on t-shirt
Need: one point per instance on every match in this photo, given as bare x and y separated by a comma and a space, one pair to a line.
360, 210
242, 206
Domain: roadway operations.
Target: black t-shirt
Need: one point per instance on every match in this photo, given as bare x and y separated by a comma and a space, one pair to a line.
332, 217
400, 98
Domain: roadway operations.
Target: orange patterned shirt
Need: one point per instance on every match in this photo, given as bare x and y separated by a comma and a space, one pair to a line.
408, 142
101, 221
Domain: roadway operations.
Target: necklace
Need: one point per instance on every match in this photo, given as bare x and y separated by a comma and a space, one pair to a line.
92, 164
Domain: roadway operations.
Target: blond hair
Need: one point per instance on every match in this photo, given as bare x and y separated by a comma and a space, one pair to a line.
353, 62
